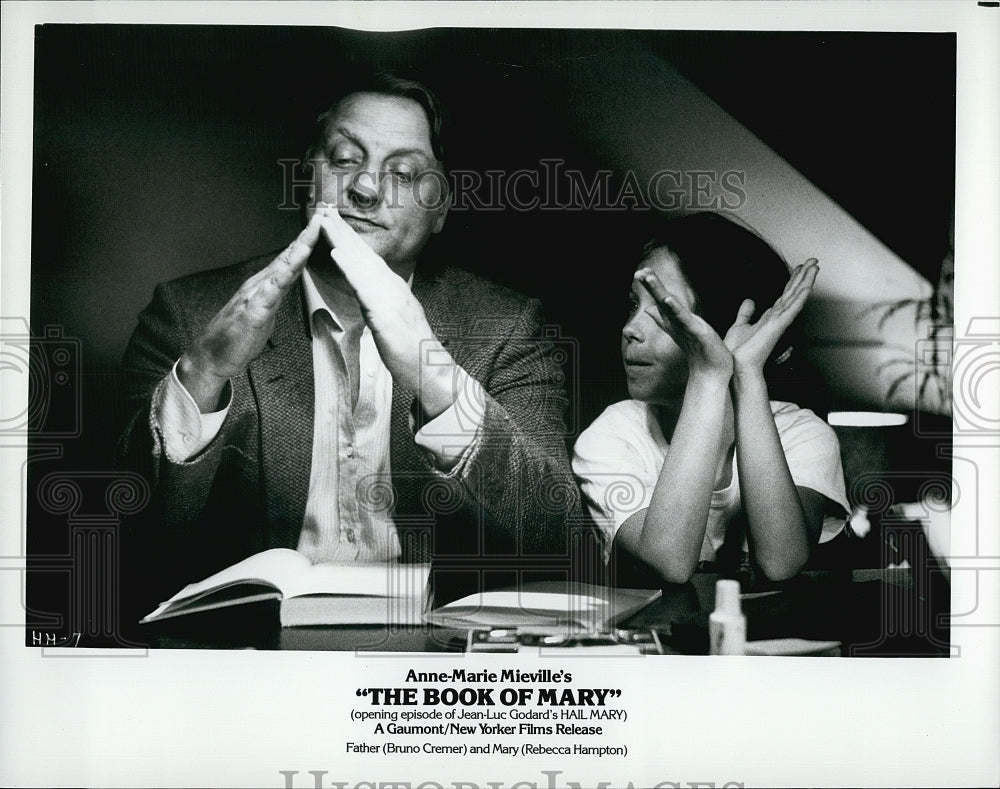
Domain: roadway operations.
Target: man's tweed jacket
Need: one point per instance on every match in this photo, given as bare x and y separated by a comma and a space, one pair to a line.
508, 504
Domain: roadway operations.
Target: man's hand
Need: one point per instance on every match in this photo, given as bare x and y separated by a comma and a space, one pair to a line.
240, 329
704, 350
405, 341
751, 344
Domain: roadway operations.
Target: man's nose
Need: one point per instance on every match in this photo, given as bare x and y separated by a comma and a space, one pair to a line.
363, 189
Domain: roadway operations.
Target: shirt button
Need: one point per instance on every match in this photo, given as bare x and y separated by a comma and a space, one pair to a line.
350, 451
349, 534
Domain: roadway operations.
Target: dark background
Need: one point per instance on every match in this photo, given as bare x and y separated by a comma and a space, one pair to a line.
156, 154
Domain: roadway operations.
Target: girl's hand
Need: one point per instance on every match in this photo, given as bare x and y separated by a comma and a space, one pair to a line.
751, 344
704, 350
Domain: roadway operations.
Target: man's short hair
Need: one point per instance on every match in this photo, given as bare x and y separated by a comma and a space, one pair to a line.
388, 83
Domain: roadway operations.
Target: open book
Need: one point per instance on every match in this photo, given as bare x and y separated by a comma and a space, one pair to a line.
566, 605
310, 594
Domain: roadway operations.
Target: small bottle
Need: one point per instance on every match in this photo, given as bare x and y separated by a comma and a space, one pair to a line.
727, 627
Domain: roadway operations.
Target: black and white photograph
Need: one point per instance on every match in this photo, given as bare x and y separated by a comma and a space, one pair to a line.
435, 399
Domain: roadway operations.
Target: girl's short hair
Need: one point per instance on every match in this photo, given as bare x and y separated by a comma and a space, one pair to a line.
726, 262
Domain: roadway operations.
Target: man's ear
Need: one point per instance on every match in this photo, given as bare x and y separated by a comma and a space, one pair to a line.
442, 211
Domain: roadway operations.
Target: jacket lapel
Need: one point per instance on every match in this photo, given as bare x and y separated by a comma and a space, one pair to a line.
428, 292
403, 457
282, 381
409, 470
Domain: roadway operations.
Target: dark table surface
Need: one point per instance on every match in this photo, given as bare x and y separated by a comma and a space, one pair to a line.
879, 613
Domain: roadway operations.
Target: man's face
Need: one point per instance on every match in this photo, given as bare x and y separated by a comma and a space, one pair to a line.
375, 164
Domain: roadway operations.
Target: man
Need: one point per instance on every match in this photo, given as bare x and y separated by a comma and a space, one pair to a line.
343, 401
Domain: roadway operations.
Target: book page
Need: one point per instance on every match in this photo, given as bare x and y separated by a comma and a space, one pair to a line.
528, 601
544, 603
513, 608
291, 574
279, 567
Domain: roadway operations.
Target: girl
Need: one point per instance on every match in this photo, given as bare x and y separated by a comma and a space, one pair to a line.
701, 449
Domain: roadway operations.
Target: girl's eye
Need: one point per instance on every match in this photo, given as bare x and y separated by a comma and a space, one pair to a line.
633, 305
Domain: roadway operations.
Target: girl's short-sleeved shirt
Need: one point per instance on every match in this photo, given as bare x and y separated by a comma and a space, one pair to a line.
617, 461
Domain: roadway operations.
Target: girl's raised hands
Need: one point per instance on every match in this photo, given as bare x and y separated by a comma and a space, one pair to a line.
752, 343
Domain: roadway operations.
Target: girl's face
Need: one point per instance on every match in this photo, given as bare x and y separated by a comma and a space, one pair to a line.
655, 367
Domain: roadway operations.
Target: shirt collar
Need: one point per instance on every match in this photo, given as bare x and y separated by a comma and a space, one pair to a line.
340, 306
314, 301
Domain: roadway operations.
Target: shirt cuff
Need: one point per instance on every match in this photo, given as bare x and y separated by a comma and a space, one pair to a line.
452, 434
185, 430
